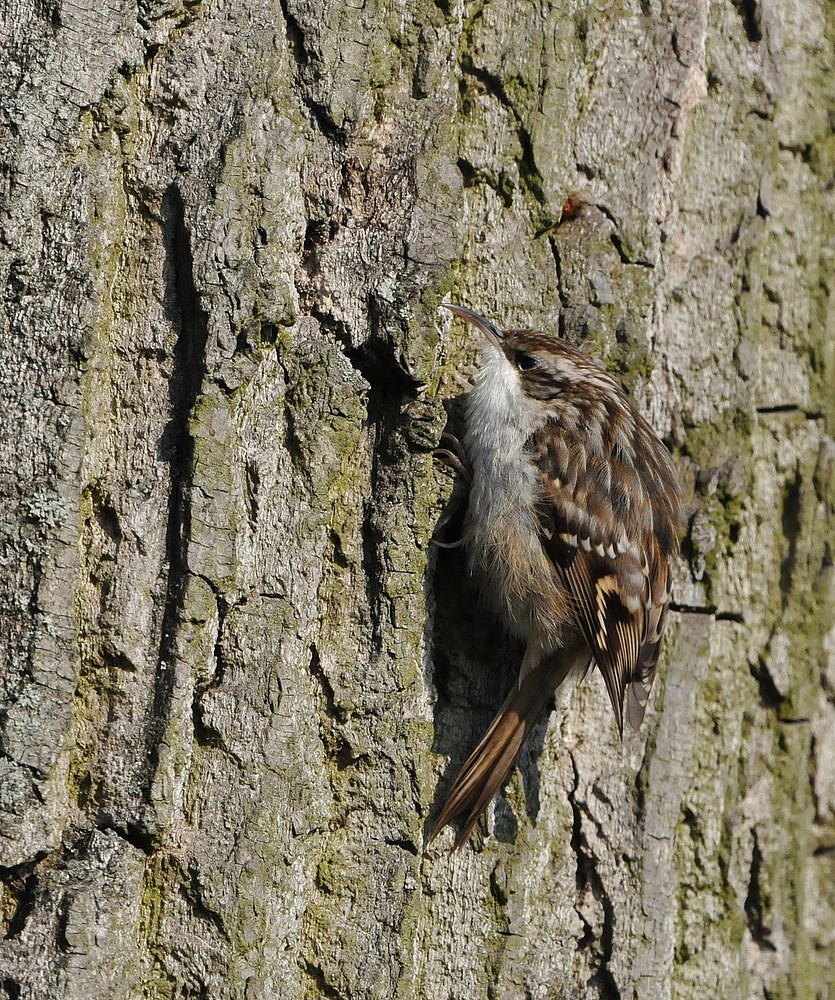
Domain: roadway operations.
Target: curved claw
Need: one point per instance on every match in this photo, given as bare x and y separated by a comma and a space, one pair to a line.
454, 457
448, 545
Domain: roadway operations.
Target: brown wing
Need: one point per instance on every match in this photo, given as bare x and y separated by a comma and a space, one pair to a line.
597, 525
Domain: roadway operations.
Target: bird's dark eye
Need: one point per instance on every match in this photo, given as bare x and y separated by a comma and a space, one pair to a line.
525, 362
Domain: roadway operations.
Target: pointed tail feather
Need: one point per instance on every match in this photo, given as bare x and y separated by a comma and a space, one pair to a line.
492, 760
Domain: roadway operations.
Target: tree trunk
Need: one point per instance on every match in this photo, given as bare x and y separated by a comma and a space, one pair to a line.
237, 676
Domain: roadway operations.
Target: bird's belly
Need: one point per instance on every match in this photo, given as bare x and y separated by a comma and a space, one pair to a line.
506, 556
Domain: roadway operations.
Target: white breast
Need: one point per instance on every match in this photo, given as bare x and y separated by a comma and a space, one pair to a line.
503, 545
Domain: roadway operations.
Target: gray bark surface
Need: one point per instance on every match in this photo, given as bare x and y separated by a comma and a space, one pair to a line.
237, 678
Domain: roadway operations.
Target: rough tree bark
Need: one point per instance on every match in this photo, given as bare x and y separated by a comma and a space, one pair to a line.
237, 678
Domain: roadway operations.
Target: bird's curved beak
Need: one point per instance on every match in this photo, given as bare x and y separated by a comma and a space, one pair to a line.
492, 333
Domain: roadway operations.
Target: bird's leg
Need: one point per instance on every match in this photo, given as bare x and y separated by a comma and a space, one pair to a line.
454, 456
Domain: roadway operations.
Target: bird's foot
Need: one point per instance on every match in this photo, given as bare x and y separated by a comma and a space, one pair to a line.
454, 457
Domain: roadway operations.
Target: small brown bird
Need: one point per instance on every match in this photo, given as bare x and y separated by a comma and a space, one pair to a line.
573, 517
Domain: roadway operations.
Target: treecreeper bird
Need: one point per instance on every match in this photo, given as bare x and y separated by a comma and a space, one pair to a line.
574, 515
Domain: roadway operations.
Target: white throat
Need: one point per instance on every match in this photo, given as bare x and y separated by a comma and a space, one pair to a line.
500, 416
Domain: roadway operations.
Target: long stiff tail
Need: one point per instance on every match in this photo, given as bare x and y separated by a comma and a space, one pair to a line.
492, 760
